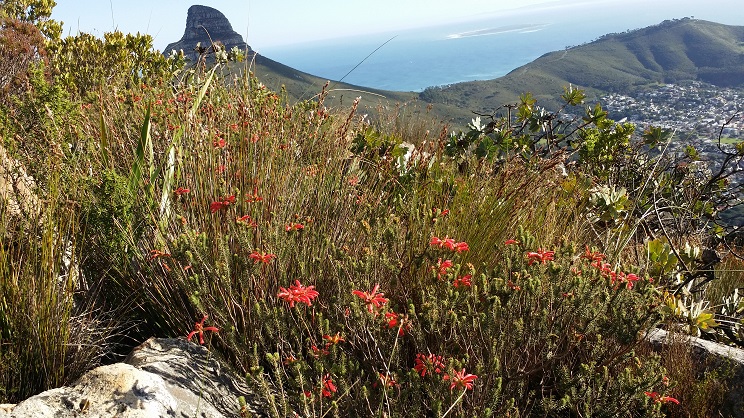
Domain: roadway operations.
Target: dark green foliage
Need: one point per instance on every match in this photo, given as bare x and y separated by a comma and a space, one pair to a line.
110, 229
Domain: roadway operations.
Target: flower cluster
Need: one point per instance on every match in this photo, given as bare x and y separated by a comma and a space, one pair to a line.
460, 380
540, 256
372, 299
616, 277
463, 281
246, 219
333, 340
428, 364
449, 244
328, 388
661, 399
400, 321
222, 203
181, 191
259, 257
386, 381
297, 293
254, 197
294, 227
442, 267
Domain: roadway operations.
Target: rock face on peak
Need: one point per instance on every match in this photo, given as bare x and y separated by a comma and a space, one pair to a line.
206, 25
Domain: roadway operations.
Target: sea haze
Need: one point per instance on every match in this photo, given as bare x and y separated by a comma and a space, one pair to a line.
476, 50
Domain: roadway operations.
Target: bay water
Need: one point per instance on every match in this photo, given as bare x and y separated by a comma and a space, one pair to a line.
477, 49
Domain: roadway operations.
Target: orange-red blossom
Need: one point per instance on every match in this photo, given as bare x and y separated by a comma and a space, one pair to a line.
461, 380
661, 399
199, 328
297, 293
372, 299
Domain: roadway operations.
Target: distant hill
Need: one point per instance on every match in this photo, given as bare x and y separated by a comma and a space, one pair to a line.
206, 25
671, 52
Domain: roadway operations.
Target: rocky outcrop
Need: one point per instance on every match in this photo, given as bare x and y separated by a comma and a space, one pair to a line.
205, 26
161, 378
709, 352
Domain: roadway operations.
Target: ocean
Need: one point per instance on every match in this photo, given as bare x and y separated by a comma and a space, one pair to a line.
482, 49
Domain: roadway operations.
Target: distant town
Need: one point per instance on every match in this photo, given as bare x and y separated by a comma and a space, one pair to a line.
696, 111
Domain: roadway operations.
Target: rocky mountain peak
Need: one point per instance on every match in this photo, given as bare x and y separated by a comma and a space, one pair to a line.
206, 25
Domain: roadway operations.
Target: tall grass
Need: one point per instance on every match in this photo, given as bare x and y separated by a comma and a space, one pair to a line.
330, 199
50, 333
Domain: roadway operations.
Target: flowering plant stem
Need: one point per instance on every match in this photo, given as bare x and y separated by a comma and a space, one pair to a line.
387, 366
455, 403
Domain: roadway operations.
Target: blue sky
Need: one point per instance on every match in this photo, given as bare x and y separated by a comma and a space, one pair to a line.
266, 23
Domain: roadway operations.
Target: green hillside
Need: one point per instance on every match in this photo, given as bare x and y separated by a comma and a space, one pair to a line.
670, 52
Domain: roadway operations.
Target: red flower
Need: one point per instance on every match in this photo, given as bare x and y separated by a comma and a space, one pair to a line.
540, 256
293, 227
449, 244
460, 380
428, 364
317, 352
661, 399
436, 212
297, 293
328, 388
461, 247
372, 299
604, 268
250, 198
334, 339
463, 281
592, 256
157, 254
511, 242
216, 206
261, 257
393, 319
442, 267
222, 203
181, 191
630, 280
219, 143
387, 381
199, 328
246, 219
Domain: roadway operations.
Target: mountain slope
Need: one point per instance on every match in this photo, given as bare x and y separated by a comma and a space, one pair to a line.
206, 25
670, 52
